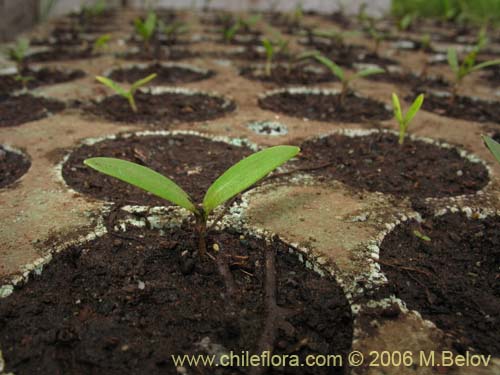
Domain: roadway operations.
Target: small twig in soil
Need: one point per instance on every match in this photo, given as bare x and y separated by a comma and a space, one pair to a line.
276, 315
225, 272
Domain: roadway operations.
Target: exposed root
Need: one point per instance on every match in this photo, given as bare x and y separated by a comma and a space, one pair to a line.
276, 315
227, 276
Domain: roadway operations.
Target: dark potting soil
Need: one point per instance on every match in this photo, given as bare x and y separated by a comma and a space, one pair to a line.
191, 161
18, 109
61, 54
164, 54
282, 75
378, 163
413, 81
348, 55
325, 107
165, 74
41, 77
163, 109
119, 306
451, 280
464, 108
12, 166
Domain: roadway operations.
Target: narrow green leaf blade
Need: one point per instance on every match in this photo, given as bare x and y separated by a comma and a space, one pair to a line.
485, 65
267, 46
337, 70
414, 108
142, 82
144, 178
369, 72
396, 106
493, 146
246, 173
453, 60
113, 86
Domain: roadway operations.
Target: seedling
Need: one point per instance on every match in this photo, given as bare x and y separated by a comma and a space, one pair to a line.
101, 43
146, 29
127, 94
405, 22
172, 30
229, 32
95, 10
17, 53
421, 236
232, 182
404, 121
344, 79
272, 48
466, 67
249, 22
493, 146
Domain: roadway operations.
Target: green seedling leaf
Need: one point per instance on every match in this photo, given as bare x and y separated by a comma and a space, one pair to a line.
246, 173
334, 68
18, 52
230, 33
101, 42
493, 146
142, 82
453, 60
268, 46
485, 65
404, 121
368, 72
397, 108
113, 86
423, 237
414, 108
144, 178
146, 28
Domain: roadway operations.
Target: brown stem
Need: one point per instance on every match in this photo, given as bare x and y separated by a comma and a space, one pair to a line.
225, 272
276, 315
201, 227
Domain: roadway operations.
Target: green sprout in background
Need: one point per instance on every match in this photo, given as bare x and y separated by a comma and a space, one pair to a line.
101, 43
343, 77
421, 236
127, 94
272, 48
94, 10
464, 68
146, 29
404, 121
493, 146
173, 30
18, 52
229, 32
232, 182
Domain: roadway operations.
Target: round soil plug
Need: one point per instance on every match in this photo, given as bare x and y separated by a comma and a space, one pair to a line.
377, 162
446, 268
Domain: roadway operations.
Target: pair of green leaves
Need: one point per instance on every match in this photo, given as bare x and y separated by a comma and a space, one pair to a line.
235, 180
405, 120
468, 65
146, 28
339, 72
18, 52
127, 94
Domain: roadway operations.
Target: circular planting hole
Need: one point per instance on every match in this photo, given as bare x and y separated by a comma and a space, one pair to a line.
60, 54
194, 162
164, 105
13, 165
323, 105
166, 73
463, 107
121, 306
37, 77
376, 162
18, 109
285, 75
451, 278
270, 128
